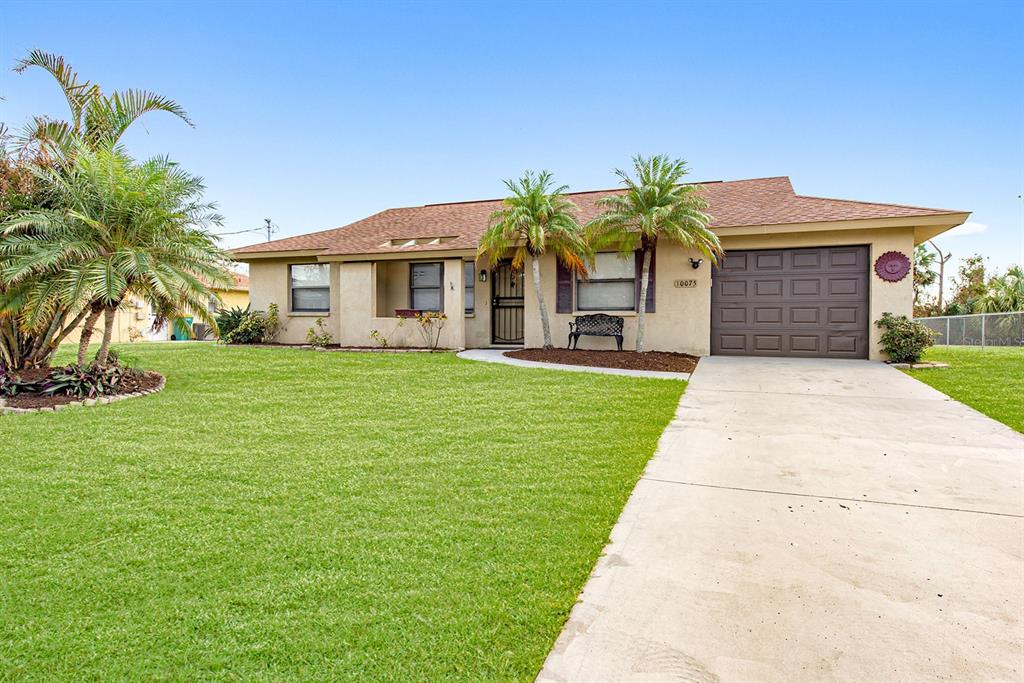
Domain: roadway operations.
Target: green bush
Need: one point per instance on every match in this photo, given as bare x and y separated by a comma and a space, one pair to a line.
318, 336
228, 320
903, 339
255, 327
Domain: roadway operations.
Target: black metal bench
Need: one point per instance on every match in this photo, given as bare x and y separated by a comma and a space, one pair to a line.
597, 325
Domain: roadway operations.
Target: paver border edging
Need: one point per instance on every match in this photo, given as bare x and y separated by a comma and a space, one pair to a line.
85, 402
498, 356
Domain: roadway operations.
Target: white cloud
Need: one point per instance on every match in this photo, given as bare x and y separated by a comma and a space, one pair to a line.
968, 228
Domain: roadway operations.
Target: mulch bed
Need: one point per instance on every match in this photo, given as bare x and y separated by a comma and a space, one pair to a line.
130, 385
662, 361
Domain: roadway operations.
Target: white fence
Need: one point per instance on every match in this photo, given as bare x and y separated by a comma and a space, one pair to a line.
979, 329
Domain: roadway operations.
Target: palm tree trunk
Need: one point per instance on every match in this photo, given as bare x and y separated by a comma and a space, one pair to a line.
545, 323
87, 328
641, 313
942, 272
51, 348
108, 320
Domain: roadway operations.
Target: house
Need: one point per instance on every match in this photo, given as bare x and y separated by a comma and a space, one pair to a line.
802, 276
134, 320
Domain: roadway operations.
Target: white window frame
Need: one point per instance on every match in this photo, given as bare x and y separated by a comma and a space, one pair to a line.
292, 287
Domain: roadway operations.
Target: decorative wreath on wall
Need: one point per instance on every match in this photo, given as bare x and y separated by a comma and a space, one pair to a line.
892, 266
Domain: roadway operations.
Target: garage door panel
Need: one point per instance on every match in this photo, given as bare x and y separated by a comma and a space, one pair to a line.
809, 302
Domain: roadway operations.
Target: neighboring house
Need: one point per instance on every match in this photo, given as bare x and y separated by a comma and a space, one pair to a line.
134, 316
798, 278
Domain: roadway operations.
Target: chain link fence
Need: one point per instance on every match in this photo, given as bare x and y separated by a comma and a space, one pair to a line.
979, 329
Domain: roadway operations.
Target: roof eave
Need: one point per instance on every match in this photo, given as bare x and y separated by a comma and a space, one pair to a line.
284, 253
931, 222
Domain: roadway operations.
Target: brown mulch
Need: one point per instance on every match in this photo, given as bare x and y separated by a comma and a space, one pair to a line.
662, 361
148, 381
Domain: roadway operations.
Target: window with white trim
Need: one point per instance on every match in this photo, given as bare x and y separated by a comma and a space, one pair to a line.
425, 286
310, 287
611, 285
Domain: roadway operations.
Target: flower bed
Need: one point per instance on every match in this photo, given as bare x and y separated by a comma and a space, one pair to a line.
29, 400
661, 361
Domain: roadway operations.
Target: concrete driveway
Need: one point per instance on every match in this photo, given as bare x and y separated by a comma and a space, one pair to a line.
809, 520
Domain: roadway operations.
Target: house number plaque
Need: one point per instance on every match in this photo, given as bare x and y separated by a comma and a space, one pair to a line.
685, 284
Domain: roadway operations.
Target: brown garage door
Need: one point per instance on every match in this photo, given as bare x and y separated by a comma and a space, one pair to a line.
791, 302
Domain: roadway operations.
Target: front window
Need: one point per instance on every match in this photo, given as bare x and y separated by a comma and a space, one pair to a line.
311, 287
470, 286
611, 287
425, 286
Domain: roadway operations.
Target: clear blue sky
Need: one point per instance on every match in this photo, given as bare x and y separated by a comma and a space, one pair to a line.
320, 114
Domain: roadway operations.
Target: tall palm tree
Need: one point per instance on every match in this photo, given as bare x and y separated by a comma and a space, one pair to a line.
121, 229
97, 120
536, 218
655, 206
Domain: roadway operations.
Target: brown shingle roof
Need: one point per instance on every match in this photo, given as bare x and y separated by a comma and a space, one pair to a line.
761, 201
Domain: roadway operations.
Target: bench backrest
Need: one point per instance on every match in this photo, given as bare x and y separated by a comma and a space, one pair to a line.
599, 324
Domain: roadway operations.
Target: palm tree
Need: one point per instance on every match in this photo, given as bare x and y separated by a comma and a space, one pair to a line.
97, 120
1004, 294
924, 270
655, 206
535, 219
122, 229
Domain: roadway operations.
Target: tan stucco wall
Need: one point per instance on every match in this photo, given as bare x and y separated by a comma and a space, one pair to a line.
268, 283
360, 304
478, 325
682, 317
681, 321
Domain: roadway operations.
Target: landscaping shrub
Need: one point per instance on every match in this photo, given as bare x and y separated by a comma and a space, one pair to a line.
431, 324
903, 339
255, 327
318, 335
228, 320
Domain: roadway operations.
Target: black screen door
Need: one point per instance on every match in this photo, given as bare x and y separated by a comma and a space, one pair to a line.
506, 305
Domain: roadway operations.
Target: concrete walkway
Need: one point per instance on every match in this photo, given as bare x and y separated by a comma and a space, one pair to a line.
498, 356
809, 520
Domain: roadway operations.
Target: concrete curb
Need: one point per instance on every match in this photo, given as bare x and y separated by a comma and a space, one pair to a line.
83, 403
498, 356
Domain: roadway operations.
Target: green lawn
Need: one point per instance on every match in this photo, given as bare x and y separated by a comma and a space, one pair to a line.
990, 380
283, 514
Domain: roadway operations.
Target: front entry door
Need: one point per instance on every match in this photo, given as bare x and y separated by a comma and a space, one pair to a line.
506, 305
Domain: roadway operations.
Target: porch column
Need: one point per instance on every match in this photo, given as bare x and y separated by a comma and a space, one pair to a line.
357, 298
454, 335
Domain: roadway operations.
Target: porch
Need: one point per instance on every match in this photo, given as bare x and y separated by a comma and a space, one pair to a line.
378, 300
